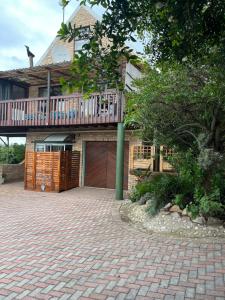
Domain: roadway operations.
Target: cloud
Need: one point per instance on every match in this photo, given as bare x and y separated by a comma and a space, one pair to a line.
28, 22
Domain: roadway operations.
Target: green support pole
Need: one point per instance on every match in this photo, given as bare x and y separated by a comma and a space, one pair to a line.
120, 161
83, 161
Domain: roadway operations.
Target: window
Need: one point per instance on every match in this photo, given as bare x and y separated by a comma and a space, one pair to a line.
142, 152
10, 90
54, 91
39, 147
19, 92
83, 38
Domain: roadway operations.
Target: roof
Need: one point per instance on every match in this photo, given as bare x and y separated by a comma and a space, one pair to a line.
38, 75
57, 138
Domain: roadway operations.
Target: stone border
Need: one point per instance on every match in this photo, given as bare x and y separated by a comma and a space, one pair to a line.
129, 223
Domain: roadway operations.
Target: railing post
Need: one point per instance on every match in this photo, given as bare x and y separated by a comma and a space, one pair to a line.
9, 113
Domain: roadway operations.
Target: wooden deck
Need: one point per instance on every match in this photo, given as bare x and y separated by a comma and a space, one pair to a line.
62, 110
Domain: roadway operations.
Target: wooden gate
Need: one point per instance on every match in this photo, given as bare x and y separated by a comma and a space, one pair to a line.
52, 171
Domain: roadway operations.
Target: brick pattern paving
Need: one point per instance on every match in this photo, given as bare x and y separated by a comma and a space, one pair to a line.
73, 246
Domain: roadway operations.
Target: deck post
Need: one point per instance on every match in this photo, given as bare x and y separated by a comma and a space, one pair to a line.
48, 98
120, 161
83, 163
7, 150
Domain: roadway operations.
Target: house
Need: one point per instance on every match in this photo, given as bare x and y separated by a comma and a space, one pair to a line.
32, 105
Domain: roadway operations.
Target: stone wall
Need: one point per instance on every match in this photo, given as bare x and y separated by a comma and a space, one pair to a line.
14, 172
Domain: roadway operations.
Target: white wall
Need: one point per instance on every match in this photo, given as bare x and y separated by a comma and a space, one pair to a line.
132, 73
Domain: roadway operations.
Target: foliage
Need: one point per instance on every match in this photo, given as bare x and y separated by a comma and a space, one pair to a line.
145, 198
180, 102
140, 190
183, 107
202, 189
13, 154
180, 105
162, 189
170, 29
186, 188
98, 64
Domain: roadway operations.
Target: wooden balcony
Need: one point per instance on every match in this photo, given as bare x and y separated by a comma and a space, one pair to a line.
104, 108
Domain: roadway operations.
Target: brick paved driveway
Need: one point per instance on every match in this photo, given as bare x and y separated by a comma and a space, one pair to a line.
73, 246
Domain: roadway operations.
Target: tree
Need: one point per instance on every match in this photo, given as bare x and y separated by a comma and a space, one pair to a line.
184, 104
180, 100
171, 29
183, 107
13, 154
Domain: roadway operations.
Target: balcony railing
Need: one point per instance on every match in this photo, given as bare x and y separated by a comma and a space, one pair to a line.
62, 110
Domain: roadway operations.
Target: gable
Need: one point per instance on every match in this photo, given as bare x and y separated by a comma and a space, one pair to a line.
60, 50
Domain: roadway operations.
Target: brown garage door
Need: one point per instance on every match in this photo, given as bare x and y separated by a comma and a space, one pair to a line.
101, 164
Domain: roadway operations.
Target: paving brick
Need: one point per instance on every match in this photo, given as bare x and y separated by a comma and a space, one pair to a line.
72, 246
190, 293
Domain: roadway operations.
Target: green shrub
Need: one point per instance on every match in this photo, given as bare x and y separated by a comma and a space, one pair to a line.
164, 187
201, 191
13, 154
207, 205
134, 195
140, 190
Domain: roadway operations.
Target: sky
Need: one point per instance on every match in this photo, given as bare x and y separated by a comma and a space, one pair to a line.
29, 22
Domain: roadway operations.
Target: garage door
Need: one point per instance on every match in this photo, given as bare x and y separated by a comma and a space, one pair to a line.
101, 164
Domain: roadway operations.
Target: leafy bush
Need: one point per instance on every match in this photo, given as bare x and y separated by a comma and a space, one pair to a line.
191, 187
202, 189
140, 190
13, 154
164, 187
145, 198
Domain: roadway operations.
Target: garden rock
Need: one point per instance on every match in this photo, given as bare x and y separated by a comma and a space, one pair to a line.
175, 215
167, 206
184, 212
167, 222
144, 199
214, 221
199, 220
175, 208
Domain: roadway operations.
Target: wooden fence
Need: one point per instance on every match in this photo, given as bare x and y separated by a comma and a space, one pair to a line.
52, 171
165, 153
143, 158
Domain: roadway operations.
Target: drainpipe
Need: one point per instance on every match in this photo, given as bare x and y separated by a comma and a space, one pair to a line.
120, 161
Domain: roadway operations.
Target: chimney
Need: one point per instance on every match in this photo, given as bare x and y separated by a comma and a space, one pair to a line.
31, 60
31, 56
